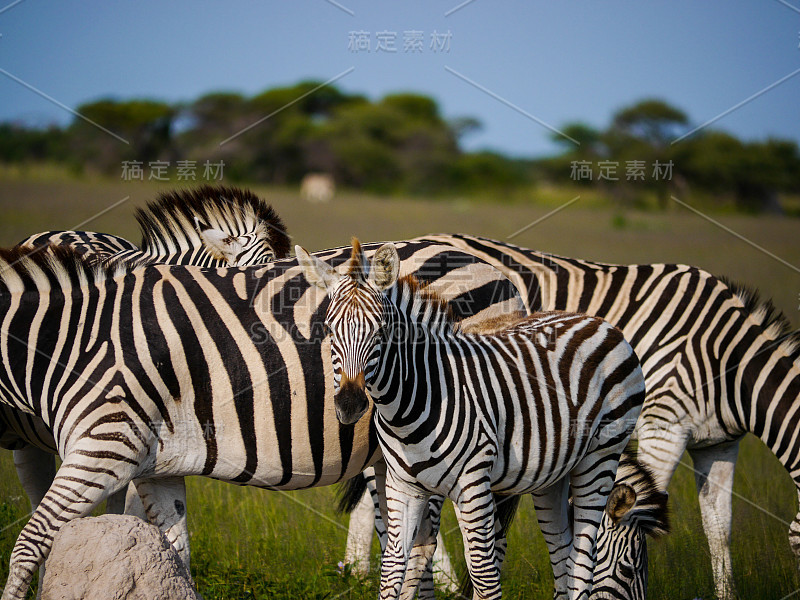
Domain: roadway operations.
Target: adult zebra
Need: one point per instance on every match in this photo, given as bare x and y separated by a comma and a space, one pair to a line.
132, 372
718, 364
211, 226
207, 226
546, 406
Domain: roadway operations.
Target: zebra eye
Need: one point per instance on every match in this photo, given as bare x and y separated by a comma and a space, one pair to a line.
626, 570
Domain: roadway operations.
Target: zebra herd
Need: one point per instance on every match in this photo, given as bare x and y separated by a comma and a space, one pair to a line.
204, 351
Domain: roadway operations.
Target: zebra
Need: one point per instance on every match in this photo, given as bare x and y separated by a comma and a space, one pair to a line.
207, 226
718, 362
544, 407
636, 508
153, 374
621, 566
211, 226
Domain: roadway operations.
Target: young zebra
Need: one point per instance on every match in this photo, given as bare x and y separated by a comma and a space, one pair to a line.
164, 372
544, 407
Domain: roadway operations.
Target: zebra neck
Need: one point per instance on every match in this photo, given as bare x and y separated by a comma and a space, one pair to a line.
413, 369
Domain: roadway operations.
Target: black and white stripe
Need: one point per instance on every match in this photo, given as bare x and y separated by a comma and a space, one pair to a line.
718, 364
636, 509
207, 226
543, 407
163, 372
212, 226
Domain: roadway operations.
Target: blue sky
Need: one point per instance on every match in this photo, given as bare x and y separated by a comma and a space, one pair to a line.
518, 67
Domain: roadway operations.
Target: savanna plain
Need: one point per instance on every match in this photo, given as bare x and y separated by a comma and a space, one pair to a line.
249, 543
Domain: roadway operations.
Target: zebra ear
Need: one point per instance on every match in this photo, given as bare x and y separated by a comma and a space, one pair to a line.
621, 500
385, 266
219, 244
317, 272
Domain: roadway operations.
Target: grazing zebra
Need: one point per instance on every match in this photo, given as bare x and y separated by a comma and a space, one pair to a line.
718, 364
544, 407
167, 371
636, 508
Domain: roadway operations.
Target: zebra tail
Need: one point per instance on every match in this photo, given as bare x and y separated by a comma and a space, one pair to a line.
504, 513
350, 493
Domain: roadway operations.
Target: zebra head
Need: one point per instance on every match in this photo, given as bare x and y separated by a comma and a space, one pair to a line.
249, 248
634, 510
356, 317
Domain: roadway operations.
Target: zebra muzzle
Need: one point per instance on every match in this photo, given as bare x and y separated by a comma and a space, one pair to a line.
351, 401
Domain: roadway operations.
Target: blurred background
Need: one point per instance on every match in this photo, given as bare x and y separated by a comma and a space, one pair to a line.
637, 100
616, 131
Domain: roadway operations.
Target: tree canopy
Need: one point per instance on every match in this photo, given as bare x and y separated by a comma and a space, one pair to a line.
403, 143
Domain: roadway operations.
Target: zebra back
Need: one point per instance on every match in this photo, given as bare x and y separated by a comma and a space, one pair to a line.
736, 360
101, 246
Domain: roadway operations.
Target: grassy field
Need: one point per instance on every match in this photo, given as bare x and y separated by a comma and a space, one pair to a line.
249, 543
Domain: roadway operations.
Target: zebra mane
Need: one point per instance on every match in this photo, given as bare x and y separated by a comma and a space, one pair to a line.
422, 303
168, 223
650, 511
776, 325
46, 268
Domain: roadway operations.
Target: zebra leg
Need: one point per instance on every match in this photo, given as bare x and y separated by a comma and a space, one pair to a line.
475, 512
164, 502
661, 441
75, 492
36, 469
419, 571
714, 468
552, 512
363, 520
794, 531
405, 508
420, 558
591, 482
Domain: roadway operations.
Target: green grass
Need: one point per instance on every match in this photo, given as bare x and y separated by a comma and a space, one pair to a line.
249, 543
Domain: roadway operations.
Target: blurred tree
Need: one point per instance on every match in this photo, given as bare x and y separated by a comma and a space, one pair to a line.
640, 134
145, 125
464, 127
751, 174
650, 120
20, 144
589, 140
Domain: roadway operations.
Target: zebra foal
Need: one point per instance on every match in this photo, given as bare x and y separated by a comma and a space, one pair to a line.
544, 407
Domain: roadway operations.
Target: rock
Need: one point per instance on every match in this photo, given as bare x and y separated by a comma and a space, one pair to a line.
115, 557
